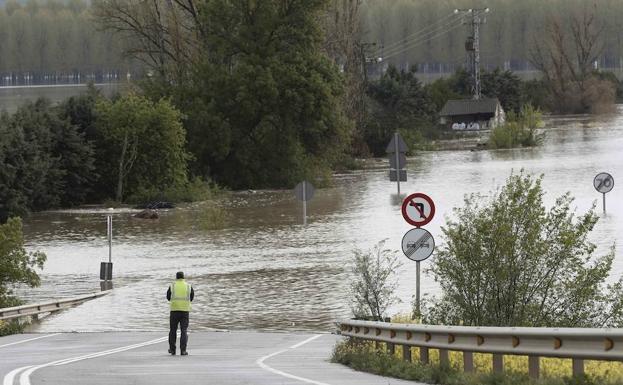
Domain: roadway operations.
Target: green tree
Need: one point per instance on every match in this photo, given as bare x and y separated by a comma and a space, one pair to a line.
46, 161
504, 85
16, 265
509, 261
456, 86
146, 142
31, 176
264, 106
398, 102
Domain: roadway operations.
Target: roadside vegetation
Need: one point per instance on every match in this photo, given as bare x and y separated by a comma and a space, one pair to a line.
374, 282
506, 260
17, 266
365, 357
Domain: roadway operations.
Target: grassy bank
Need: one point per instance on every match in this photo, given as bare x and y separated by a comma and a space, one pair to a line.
8, 328
364, 357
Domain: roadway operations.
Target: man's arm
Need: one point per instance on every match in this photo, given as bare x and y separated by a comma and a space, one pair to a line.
169, 294
192, 293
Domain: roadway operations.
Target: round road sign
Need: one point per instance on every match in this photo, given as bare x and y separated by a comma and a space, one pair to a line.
603, 182
418, 244
304, 191
418, 209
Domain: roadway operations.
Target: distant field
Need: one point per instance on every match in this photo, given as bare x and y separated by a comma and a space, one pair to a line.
12, 97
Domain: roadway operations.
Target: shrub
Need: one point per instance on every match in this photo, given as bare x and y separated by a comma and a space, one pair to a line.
519, 130
509, 261
373, 281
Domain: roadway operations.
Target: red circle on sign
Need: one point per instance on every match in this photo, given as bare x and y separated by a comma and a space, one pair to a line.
418, 223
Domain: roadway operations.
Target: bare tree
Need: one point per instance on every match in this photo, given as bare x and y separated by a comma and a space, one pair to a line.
374, 283
164, 34
566, 56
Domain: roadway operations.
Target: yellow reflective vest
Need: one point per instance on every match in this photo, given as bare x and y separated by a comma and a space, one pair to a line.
180, 295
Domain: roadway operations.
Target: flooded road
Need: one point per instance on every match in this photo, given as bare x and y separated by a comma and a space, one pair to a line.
265, 270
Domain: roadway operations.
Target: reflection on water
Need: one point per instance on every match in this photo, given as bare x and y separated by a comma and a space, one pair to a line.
264, 270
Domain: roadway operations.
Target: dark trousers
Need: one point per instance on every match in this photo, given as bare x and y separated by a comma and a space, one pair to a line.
181, 318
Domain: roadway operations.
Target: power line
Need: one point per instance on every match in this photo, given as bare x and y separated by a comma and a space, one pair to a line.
415, 44
450, 24
397, 43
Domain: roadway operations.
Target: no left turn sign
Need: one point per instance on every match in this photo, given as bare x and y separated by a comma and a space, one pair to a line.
418, 209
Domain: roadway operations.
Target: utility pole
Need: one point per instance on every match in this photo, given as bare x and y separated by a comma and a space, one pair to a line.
365, 59
472, 45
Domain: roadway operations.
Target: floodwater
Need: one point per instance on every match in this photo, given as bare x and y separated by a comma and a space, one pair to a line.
264, 270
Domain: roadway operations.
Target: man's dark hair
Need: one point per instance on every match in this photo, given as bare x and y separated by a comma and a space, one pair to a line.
179, 275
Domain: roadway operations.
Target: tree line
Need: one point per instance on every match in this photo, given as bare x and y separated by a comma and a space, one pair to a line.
90, 149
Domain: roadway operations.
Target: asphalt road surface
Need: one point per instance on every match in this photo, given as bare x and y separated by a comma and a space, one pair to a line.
214, 358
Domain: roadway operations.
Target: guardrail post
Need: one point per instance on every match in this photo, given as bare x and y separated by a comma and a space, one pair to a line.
444, 360
578, 366
406, 353
424, 357
391, 348
468, 362
534, 366
498, 363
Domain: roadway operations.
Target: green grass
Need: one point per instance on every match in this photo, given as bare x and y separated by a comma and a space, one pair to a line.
8, 328
364, 357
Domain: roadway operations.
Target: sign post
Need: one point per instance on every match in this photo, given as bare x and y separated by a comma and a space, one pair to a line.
418, 244
304, 191
604, 183
397, 160
106, 267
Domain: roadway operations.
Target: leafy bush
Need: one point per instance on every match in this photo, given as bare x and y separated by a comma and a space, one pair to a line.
509, 261
519, 130
10, 327
373, 283
16, 265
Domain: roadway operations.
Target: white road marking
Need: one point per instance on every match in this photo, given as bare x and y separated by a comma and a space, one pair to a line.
262, 365
310, 339
8, 379
31, 339
24, 378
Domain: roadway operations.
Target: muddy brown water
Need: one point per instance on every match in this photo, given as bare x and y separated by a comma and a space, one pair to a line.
264, 270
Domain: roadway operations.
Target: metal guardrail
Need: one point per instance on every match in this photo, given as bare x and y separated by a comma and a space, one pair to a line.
577, 344
46, 307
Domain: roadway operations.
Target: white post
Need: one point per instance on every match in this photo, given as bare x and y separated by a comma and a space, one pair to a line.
109, 238
417, 288
304, 204
396, 147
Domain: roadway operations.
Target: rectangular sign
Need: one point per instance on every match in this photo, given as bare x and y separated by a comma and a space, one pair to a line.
392, 175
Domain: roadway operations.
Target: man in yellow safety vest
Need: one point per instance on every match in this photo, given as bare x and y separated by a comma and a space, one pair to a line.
180, 294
